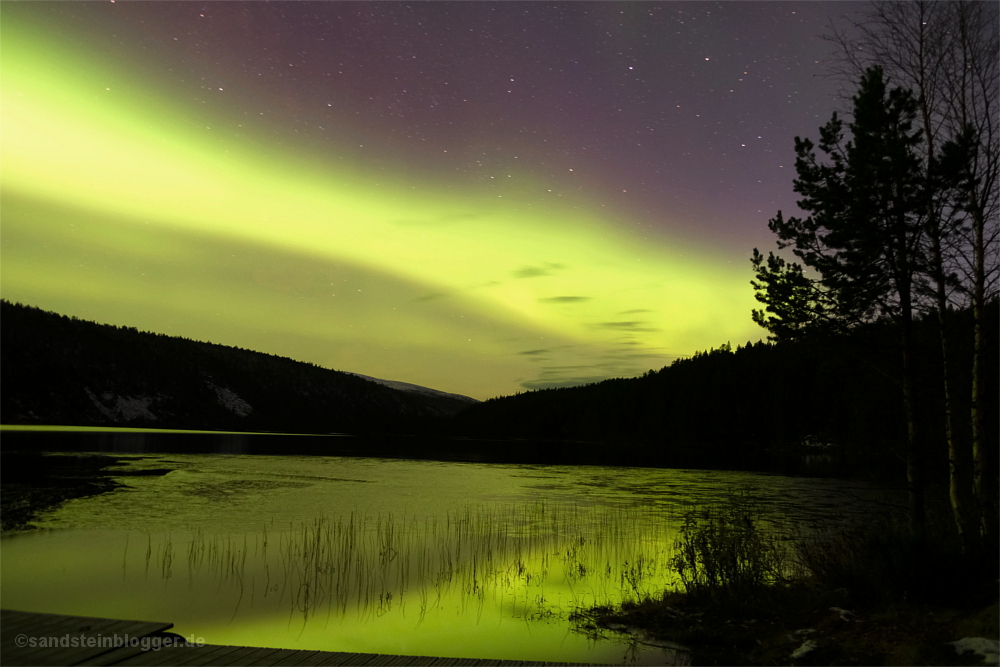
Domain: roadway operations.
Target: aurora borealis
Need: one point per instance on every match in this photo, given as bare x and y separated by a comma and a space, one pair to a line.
477, 197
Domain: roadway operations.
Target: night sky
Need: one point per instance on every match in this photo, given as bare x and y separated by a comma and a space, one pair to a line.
480, 197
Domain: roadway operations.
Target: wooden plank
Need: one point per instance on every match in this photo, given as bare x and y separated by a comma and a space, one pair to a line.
289, 658
299, 657
199, 656
378, 660
155, 646
277, 657
146, 658
314, 658
65, 640
398, 661
345, 659
185, 656
33, 624
20, 621
113, 657
11, 622
258, 656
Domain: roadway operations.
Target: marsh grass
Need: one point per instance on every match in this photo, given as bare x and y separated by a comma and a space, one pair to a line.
726, 552
537, 561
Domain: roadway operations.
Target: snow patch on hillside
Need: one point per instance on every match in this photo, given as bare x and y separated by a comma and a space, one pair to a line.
230, 400
989, 649
122, 408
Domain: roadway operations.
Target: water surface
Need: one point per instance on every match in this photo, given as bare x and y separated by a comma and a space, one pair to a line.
385, 555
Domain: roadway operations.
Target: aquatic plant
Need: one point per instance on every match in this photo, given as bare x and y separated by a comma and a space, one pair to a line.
535, 560
724, 551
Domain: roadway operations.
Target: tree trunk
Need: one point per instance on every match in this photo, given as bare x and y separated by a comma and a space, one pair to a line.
983, 476
914, 450
960, 478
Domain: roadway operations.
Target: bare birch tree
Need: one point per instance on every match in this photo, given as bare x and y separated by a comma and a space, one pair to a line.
948, 54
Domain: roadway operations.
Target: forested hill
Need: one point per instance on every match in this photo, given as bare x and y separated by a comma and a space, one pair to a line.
739, 408
60, 370
744, 405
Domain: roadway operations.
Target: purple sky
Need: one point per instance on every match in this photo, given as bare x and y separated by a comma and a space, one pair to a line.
642, 148
679, 110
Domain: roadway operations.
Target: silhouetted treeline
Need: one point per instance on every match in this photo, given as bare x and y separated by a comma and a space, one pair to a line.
837, 400
758, 406
58, 370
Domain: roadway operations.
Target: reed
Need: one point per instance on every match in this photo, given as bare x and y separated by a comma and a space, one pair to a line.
536, 559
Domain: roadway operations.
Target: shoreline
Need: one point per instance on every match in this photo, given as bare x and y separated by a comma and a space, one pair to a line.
803, 625
32, 483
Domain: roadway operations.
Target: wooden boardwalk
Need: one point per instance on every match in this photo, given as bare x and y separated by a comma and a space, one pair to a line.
28, 638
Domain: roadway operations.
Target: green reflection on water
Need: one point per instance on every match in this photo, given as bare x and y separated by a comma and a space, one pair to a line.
381, 555
532, 564
493, 581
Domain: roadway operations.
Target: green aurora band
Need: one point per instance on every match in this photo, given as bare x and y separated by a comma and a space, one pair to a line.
121, 205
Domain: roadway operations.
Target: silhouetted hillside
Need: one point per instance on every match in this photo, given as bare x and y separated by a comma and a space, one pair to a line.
62, 370
759, 406
837, 400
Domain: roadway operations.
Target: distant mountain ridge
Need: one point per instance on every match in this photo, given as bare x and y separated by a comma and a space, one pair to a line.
61, 370
416, 388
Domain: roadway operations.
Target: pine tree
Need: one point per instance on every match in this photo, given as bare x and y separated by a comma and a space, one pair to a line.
948, 54
863, 240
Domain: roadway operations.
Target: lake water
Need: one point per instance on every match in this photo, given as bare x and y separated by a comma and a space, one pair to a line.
385, 555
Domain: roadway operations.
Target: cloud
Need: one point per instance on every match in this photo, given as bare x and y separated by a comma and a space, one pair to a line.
325, 310
546, 269
568, 376
620, 356
432, 296
625, 326
615, 363
572, 375
564, 299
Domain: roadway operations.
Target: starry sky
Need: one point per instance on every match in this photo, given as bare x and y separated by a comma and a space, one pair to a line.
480, 197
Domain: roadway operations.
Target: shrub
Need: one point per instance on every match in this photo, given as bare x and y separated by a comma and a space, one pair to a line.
723, 552
880, 560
